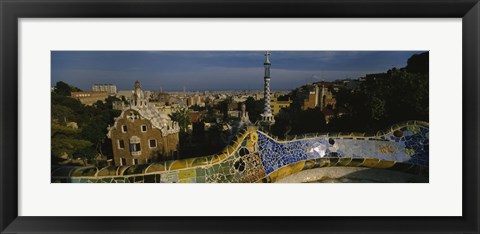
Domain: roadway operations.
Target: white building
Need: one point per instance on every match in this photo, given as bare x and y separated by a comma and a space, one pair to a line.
109, 88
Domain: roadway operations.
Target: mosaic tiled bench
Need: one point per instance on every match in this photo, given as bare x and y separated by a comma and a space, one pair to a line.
256, 157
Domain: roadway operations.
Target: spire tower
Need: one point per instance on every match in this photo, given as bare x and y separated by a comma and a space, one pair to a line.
267, 116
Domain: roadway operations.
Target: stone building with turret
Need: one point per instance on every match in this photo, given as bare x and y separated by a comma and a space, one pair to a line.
141, 134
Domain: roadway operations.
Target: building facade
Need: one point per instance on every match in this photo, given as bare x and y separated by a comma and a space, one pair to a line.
109, 88
141, 134
89, 98
319, 96
195, 100
277, 105
127, 94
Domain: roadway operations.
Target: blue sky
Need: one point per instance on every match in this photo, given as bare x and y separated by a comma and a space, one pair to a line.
216, 70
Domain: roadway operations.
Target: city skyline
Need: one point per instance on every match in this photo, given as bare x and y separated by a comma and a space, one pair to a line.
216, 70
237, 136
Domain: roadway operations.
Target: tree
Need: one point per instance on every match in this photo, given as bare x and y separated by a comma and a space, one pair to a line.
308, 121
95, 133
62, 114
254, 108
377, 108
65, 89
86, 153
196, 107
381, 100
58, 130
90, 139
71, 147
282, 125
198, 129
223, 107
387, 98
182, 117
418, 63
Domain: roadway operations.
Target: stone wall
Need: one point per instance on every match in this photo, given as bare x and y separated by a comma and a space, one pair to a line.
89, 98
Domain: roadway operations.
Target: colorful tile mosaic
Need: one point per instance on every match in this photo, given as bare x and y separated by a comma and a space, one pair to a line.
406, 144
256, 157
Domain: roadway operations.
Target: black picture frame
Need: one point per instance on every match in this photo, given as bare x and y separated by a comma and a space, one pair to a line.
11, 11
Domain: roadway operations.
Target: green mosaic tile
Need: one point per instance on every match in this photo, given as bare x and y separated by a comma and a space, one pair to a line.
200, 179
201, 161
322, 162
210, 171
138, 179
343, 161
106, 180
356, 162
189, 173
85, 171
149, 179
75, 180
333, 162
156, 167
136, 169
200, 171
108, 171
253, 166
170, 177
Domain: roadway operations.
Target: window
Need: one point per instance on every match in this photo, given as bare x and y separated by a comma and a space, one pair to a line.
121, 144
123, 161
135, 161
135, 148
124, 128
153, 143
144, 128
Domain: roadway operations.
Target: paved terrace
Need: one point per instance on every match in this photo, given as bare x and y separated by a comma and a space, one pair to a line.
254, 156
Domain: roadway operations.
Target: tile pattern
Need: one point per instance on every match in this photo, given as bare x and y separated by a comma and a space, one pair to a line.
256, 157
404, 144
158, 120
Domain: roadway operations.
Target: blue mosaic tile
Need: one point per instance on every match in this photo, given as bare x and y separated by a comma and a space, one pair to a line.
411, 147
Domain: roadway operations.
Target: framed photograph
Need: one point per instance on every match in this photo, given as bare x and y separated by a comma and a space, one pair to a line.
268, 116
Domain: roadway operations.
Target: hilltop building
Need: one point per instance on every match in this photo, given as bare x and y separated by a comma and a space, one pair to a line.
167, 110
127, 94
319, 96
195, 100
278, 105
141, 134
89, 98
109, 88
164, 99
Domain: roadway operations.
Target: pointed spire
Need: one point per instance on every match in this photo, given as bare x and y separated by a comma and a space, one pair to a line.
267, 118
267, 57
